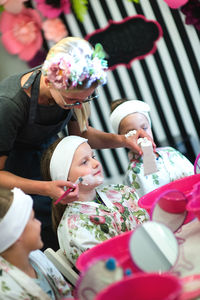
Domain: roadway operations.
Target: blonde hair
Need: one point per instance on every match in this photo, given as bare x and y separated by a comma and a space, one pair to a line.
58, 209
80, 49
6, 199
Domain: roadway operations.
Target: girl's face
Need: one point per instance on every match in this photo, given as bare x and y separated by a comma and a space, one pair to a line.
135, 121
31, 235
85, 163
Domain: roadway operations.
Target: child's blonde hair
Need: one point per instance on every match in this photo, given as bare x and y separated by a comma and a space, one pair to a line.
58, 209
6, 199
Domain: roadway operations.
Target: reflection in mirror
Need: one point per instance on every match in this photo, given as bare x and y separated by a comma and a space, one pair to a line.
197, 165
153, 247
170, 209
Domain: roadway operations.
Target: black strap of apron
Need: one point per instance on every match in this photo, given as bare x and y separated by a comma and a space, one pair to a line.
33, 80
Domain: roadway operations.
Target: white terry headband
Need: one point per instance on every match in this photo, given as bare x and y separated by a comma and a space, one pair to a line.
63, 155
14, 222
127, 108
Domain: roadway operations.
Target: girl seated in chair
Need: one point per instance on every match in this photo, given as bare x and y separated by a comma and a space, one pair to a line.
130, 115
100, 212
25, 272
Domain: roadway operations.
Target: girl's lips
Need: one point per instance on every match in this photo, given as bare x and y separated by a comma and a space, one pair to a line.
97, 173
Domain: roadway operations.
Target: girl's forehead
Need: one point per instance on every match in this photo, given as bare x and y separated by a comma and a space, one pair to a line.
135, 117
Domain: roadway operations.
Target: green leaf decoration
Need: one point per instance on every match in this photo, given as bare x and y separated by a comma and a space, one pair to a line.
136, 1
98, 51
1, 8
80, 8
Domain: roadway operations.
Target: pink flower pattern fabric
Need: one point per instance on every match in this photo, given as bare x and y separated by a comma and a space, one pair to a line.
171, 165
21, 33
85, 224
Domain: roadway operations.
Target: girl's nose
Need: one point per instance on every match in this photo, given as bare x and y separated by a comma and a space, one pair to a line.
95, 163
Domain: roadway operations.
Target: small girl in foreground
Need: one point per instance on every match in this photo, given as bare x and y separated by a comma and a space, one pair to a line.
130, 115
25, 272
100, 212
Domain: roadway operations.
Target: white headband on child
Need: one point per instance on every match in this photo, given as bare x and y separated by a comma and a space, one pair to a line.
63, 155
14, 222
127, 108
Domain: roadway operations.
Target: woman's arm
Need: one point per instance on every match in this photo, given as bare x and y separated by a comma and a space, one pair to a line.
103, 140
53, 189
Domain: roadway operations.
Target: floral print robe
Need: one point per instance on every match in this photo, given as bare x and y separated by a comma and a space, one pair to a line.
171, 165
16, 285
86, 224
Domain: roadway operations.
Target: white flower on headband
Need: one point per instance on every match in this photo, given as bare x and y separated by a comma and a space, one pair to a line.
64, 70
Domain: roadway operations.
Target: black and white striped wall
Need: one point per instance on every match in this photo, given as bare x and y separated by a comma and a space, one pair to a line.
168, 80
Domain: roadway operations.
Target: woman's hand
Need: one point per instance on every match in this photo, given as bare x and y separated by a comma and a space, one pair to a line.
131, 141
57, 188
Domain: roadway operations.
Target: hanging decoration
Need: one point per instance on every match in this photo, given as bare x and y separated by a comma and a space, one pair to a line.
29, 27
130, 39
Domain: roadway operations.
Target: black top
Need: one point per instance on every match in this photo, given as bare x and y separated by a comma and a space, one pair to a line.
14, 117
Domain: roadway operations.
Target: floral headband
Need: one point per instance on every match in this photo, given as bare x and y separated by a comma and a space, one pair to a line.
64, 70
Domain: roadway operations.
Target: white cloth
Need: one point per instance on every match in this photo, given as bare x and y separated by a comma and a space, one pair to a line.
127, 108
171, 165
13, 223
63, 155
17, 285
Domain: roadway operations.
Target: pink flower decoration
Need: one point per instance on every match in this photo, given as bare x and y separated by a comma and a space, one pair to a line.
97, 220
52, 11
175, 3
13, 6
21, 33
54, 30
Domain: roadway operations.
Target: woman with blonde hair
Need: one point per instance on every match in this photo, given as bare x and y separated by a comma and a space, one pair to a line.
36, 105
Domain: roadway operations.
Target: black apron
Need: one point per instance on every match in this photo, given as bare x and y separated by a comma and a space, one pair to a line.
24, 159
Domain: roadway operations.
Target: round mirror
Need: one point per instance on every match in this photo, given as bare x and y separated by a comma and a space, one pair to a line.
197, 165
153, 247
170, 209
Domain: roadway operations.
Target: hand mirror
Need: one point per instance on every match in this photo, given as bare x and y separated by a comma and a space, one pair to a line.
170, 209
153, 247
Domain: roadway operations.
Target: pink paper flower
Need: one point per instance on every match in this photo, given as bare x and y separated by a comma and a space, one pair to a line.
21, 33
53, 10
54, 30
13, 6
175, 3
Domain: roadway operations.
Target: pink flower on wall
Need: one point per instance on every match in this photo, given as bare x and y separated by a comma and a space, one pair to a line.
175, 3
21, 33
54, 30
53, 10
13, 6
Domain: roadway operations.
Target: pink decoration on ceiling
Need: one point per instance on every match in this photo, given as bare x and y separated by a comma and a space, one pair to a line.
13, 6
175, 3
21, 33
54, 30
50, 11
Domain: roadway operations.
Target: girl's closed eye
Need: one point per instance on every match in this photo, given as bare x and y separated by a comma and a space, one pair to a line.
84, 162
